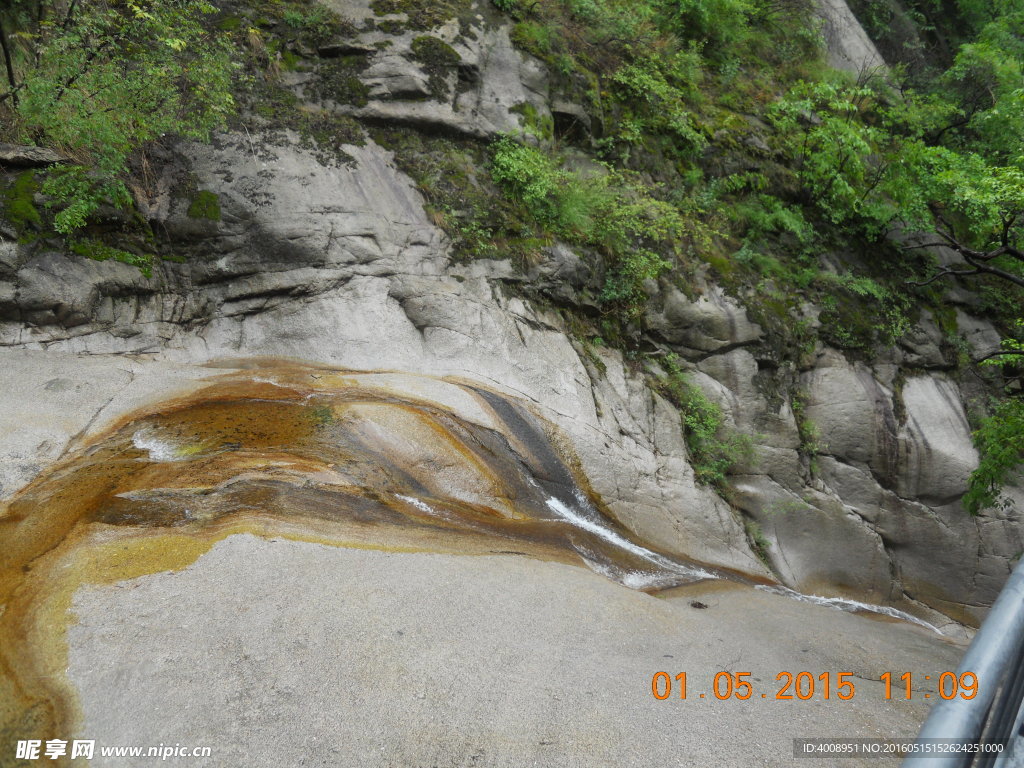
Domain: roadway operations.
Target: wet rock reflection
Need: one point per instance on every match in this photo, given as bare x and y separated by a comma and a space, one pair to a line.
356, 449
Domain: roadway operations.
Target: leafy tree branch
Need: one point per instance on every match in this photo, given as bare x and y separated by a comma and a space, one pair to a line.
107, 79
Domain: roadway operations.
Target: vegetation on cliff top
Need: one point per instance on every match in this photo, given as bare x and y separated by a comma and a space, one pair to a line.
727, 109
97, 80
717, 141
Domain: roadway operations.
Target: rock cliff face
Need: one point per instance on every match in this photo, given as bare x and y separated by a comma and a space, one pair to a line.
856, 483
849, 47
341, 266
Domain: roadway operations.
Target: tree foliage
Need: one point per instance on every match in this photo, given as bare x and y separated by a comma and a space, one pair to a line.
944, 153
874, 161
607, 209
98, 79
1000, 443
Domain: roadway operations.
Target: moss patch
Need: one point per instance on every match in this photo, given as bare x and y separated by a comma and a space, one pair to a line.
541, 126
339, 81
423, 14
294, 21
439, 61
325, 133
205, 205
391, 26
321, 131
18, 199
229, 23
98, 251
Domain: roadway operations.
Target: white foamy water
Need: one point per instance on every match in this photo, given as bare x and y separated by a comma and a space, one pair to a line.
850, 606
635, 579
159, 450
607, 534
271, 382
422, 506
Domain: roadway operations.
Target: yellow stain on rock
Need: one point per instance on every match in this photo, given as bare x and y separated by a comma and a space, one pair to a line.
299, 452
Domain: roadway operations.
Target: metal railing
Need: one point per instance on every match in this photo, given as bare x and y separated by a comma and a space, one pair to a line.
996, 656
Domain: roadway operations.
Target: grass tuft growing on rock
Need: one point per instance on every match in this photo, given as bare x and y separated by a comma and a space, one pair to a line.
714, 447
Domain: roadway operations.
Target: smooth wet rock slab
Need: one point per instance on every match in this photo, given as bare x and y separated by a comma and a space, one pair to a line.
274, 652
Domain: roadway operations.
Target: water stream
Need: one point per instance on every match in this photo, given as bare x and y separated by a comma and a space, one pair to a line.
371, 459
357, 450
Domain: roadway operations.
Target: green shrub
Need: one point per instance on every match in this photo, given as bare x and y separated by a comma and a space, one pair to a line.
532, 178
613, 211
714, 447
719, 24
109, 79
1000, 444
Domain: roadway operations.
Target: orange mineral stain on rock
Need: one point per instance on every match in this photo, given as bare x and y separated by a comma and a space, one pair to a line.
366, 460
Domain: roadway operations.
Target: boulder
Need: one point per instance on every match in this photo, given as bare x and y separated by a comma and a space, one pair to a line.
708, 324
935, 451
22, 156
848, 45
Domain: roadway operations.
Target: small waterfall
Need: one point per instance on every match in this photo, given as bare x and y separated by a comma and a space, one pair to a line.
670, 570
845, 604
356, 458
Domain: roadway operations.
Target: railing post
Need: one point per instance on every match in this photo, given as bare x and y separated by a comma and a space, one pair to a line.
995, 648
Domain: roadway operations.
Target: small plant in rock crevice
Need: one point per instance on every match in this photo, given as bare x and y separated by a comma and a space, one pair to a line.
714, 447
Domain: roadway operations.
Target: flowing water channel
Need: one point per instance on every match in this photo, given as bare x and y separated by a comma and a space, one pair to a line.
371, 459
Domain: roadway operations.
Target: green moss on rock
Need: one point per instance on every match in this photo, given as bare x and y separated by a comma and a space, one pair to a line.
422, 14
434, 51
205, 205
541, 126
339, 81
18, 199
99, 251
439, 60
325, 133
229, 23
391, 26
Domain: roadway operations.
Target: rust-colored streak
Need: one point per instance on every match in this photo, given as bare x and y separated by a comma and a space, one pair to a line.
305, 452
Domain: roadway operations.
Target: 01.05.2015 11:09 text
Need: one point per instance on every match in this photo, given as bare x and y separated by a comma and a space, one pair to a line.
805, 686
